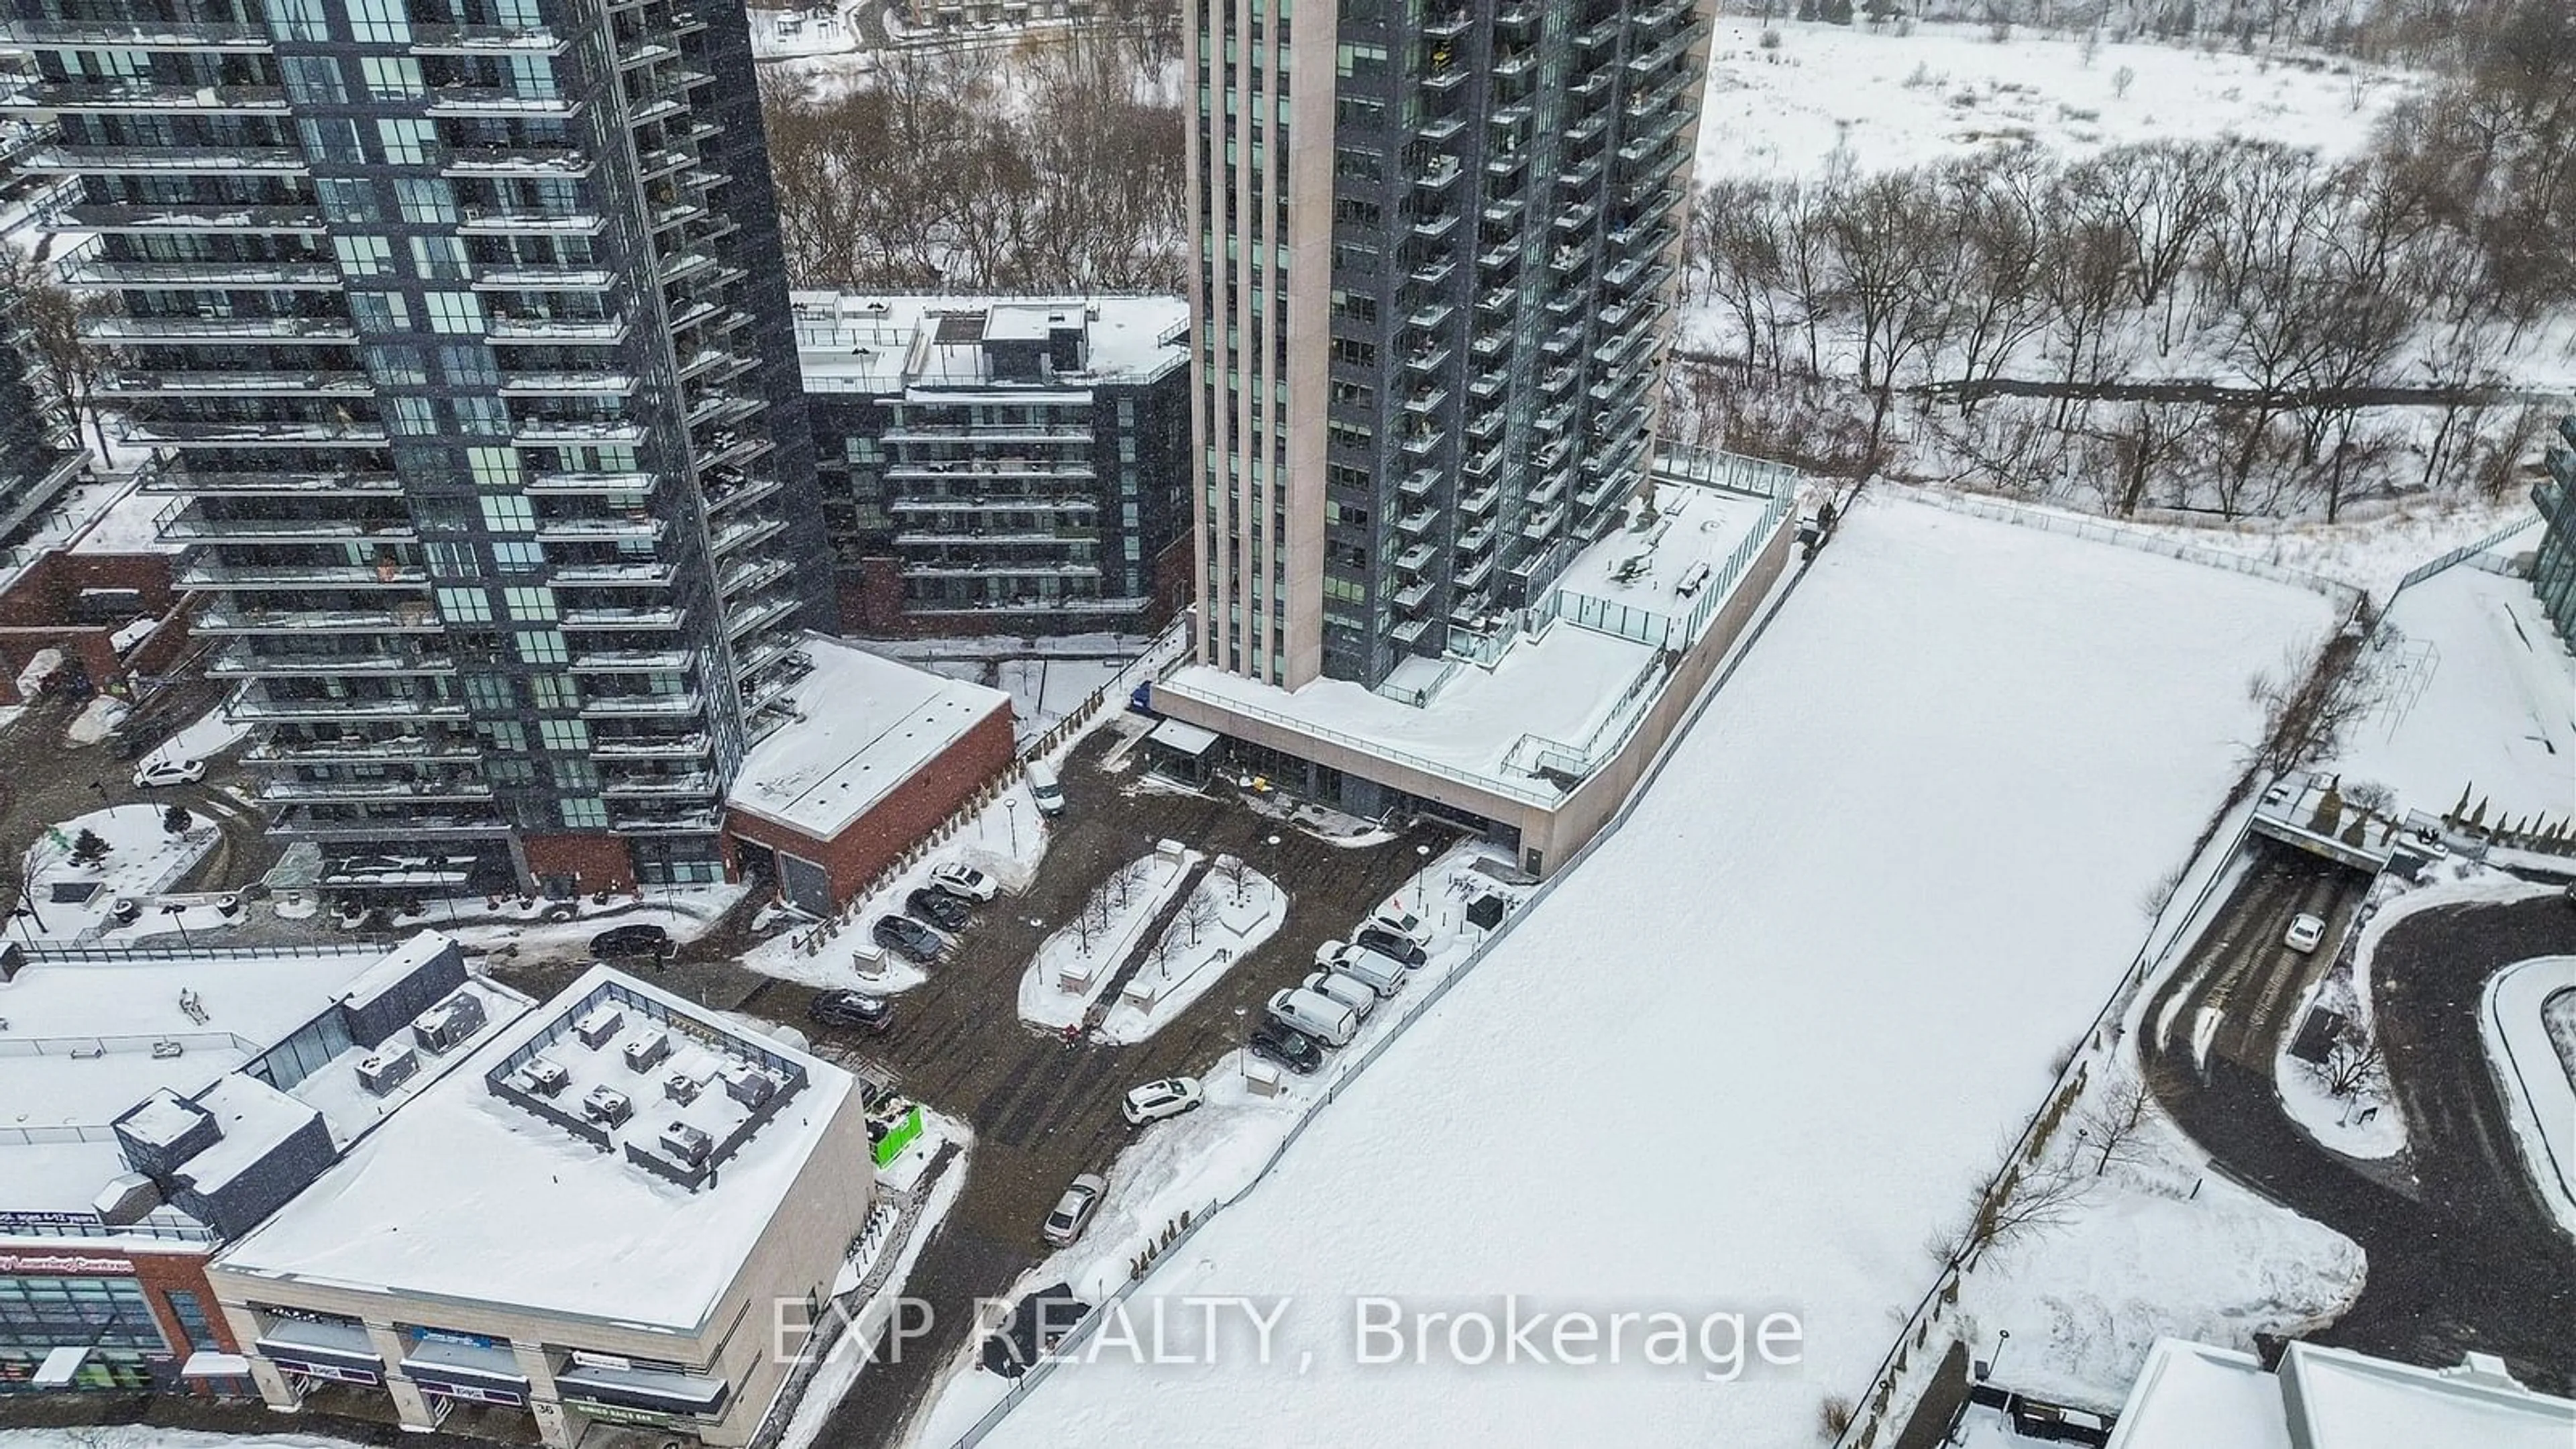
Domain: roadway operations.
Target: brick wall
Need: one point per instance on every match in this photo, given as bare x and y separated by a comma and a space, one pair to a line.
39, 611
907, 813
601, 860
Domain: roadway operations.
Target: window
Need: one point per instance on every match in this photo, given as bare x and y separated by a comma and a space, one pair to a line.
440, 258
493, 467
464, 606
511, 772
469, 365
331, 140
411, 416
298, 20
487, 416
518, 558
396, 366
379, 22
379, 312
541, 646
391, 77
554, 691
346, 200
574, 774
490, 694
364, 256
453, 561
407, 140
588, 813
425, 198
508, 513
504, 734
453, 312
564, 734
312, 79
530, 603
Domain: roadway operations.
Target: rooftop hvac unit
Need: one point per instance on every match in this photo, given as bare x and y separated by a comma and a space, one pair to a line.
545, 1077
684, 1143
450, 1023
681, 1087
607, 1106
598, 1025
647, 1051
750, 1085
382, 1072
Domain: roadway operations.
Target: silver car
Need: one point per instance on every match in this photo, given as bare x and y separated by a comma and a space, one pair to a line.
1073, 1210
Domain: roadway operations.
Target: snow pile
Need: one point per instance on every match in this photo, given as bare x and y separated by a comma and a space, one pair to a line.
97, 720
1195, 951
1846, 96
2528, 1022
1074, 965
1734, 1012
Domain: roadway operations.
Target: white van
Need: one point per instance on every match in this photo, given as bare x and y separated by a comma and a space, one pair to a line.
1350, 991
1380, 973
1045, 788
1315, 1014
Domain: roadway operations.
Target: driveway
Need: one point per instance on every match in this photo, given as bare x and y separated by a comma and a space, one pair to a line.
2463, 1254
1044, 1109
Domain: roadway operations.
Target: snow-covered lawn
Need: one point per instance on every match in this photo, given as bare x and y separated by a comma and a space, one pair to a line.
2528, 1020
1073, 966
1831, 94
142, 860
1045, 690
1196, 950
209, 736
1007, 839
2373, 547
1752, 1050
2473, 690
2161, 1247
2362, 1123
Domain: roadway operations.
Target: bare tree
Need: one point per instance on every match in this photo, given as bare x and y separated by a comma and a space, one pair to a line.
1198, 914
2019, 1202
2352, 1063
2115, 1124
1238, 874
44, 318
1890, 256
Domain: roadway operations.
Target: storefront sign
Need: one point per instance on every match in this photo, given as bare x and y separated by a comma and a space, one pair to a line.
468, 1392
14, 1222
618, 1414
587, 1359
449, 1335
61, 1263
333, 1372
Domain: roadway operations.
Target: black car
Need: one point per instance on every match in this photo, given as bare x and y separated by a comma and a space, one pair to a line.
904, 934
939, 908
1037, 1324
1387, 943
631, 941
1288, 1047
854, 1009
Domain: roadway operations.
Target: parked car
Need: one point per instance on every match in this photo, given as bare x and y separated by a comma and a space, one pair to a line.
1287, 1046
964, 881
1315, 1014
1045, 788
1387, 943
939, 908
1073, 1210
1169, 1097
1037, 1324
1396, 920
911, 937
1350, 991
1380, 972
2305, 932
854, 1009
154, 773
620, 941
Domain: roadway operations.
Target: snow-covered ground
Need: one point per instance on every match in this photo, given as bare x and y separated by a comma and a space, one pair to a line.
2364, 1123
2474, 694
209, 736
1749, 1052
142, 860
2371, 549
1044, 690
1839, 94
1239, 916
2528, 1020
1073, 966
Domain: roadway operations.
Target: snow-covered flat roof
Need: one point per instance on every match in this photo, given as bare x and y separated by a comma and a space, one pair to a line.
2349, 1400
352, 1110
864, 725
467, 1195
101, 1023
2193, 1396
852, 342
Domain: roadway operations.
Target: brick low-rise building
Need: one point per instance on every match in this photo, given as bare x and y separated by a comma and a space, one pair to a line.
879, 754
1001, 465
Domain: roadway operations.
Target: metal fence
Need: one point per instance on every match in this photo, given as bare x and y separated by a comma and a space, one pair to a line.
2458, 556
2002, 510
118, 955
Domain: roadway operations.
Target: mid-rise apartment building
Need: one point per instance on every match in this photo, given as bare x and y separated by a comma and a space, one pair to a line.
459, 328
1436, 250
993, 465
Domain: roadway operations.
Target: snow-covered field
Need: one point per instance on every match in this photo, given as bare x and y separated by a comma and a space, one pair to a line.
1770, 1033
142, 859
1839, 94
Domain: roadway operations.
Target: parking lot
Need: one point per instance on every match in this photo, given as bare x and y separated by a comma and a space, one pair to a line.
1043, 1108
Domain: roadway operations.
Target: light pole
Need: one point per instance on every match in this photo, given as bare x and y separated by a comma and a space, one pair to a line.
1274, 868
2002, 1336
1422, 885
1243, 1043
174, 911
1011, 811
27, 913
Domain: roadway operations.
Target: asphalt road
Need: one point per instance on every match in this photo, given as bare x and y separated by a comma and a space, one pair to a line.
1045, 1109
2463, 1255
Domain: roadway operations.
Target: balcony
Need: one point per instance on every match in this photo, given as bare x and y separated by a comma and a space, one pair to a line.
1502, 211
485, 40
1429, 359
1422, 441
648, 747
544, 432
1488, 385
567, 384
357, 749
1420, 483
362, 792
260, 710
1447, 27
482, 161
204, 573
943, 433
660, 616
310, 276
1513, 63
645, 786
1432, 228
641, 574
572, 330
1417, 523
641, 706
1438, 173
235, 384
1544, 522
123, 96
760, 614
148, 432
230, 617
165, 160
742, 532
542, 277
633, 661
186, 519
598, 529
241, 661
1414, 597
1417, 558
461, 101
1445, 78
153, 220
1428, 400
137, 35
753, 574
492, 221
194, 479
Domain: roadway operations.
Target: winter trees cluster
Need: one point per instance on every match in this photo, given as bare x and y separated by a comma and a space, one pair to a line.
2224, 311
1059, 170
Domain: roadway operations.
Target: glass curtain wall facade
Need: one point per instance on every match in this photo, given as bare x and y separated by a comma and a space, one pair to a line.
460, 328
1437, 251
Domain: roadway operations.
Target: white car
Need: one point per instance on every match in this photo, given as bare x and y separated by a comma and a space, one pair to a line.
2305, 932
1399, 921
1169, 1097
168, 772
959, 879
